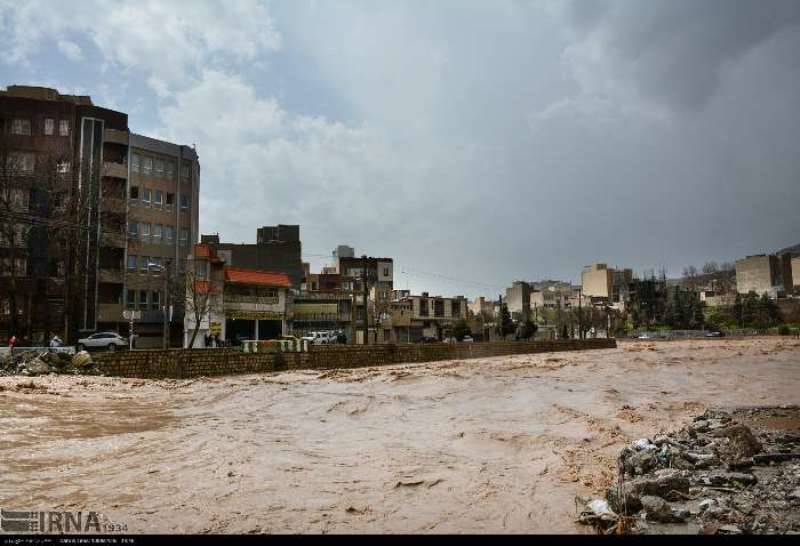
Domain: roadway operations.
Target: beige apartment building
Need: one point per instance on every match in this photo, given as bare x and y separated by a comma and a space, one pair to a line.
433, 316
764, 274
796, 274
602, 284
162, 219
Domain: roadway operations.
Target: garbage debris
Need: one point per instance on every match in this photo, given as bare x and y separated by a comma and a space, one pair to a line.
31, 363
728, 472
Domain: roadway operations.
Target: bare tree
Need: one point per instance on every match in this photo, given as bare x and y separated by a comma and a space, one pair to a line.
710, 267
202, 297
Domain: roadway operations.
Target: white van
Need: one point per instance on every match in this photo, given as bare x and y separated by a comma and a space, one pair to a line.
320, 338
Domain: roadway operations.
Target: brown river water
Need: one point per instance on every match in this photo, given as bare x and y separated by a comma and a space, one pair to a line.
499, 444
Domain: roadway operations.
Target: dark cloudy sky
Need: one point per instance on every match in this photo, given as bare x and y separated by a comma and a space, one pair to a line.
481, 141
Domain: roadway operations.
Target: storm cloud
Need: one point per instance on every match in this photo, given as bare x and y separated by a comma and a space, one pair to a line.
475, 141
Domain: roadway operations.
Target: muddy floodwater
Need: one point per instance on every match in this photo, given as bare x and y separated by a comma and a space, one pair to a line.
499, 444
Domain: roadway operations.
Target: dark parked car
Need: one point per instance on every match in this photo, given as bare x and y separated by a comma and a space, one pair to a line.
715, 334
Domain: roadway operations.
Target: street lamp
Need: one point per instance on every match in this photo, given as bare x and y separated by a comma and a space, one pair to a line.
163, 269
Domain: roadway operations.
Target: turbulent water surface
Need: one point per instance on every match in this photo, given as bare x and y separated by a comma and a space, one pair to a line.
499, 444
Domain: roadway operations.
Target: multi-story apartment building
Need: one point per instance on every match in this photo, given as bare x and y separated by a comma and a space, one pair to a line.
277, 248
604, 285
163, 221
518, 300
764, 274
233, 303
379, 284
73, 165
433, 316
480, 306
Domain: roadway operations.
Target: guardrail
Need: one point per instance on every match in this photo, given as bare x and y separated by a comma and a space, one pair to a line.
17, 350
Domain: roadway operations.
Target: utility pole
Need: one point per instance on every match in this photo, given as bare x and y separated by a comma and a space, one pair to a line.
165, 341
366, 294
580, 314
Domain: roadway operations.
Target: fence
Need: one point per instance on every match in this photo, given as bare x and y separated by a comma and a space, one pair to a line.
209, 362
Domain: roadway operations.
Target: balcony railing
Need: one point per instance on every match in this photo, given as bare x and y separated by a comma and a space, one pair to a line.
116, 136
109, 312
258, 300
321, 317
113, 240
111, 275
117, 170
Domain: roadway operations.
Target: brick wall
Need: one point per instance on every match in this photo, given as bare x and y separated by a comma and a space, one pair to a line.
208, 362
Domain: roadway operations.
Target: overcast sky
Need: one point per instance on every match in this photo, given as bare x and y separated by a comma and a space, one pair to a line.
481, 141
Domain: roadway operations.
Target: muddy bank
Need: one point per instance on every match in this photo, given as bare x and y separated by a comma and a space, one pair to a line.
500, 444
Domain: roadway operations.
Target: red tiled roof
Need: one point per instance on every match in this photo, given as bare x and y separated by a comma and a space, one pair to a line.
253, 276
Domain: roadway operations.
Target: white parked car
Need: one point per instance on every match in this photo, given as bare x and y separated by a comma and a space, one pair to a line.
110, 341
321, 338
467, 339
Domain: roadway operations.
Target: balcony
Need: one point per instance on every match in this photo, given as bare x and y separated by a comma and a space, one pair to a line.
116, 170
113, 240
109, 312
111, 276
321, 317
116, 136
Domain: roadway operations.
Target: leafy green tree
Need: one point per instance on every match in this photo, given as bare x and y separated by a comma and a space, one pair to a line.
460, 329
505, 325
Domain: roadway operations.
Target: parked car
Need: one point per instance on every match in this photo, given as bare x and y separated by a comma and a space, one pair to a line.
429, 339
320, 338
715, 334
110, 341
467, 339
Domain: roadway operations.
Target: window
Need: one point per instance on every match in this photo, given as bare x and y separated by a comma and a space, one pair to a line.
130, 300
147, 194
142, 299
63, 167
5, 267
385, 271
21, 235
134, 192
136, 162
21, 162
148, 166
133, 230
145, 227
17, 198
159, 198
184, 201
423, 308
170, 165
169, 234
186, 170
156, 301
131, 262
455, 308
157, 229
156, 263
159, 167
20, 267
143, 261
63, 127
170, 199
21, 127
184, 237
49, 126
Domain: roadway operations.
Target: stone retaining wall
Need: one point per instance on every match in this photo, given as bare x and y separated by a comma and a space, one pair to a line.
181, 363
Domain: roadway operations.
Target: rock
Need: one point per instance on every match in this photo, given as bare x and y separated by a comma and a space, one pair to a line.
795, 494
657, 509
37, 366
641, 462
741, 444
663, 484
82, 359
722, 479
706, 504
643, 443
729, 530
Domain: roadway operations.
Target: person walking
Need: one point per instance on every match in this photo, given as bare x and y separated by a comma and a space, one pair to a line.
12, 341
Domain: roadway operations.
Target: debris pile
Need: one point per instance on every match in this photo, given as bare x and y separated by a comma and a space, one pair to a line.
726, 473
31, 363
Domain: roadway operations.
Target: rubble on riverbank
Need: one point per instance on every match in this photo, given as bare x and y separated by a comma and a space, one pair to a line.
32, 363
734, 472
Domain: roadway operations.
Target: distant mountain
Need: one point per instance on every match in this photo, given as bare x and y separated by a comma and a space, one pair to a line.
793, 250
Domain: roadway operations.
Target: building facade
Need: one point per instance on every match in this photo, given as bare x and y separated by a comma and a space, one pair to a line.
518, 300
233, 304
67, 165
277, 248
764, 274
431, 316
